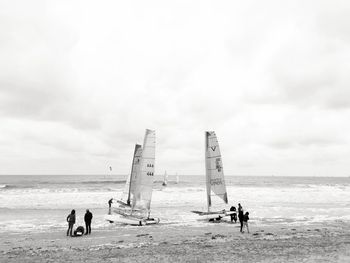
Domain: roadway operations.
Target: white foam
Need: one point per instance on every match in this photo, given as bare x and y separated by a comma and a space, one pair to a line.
173, 205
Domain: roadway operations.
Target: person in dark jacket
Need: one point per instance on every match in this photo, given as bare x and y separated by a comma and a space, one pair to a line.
234, 215
87, 219
71, 222
240, 215
110, 201
245, 221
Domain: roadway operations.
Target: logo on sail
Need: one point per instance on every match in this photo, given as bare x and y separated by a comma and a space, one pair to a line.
213, 148
216, 181
218, 164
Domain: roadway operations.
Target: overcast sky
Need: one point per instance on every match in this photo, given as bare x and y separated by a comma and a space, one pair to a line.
80, 81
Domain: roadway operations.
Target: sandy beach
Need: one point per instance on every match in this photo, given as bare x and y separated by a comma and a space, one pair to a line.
219, 242
291, 220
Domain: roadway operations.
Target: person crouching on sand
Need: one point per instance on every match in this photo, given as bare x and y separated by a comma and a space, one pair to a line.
245, 221
233, 215
71, 222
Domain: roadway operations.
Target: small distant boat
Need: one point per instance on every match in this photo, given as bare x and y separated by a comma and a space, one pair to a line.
215, 181
177, 178
165, 179
136, 209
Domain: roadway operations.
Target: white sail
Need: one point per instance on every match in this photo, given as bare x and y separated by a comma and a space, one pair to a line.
144, 181
129, 190
165, 179
214, 171
177, 178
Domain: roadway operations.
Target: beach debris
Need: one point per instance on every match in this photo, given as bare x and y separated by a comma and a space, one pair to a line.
142, 235
217, 236
206, 245
208, 233
269, 234
256, 234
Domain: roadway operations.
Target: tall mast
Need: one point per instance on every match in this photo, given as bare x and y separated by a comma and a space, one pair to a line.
207, 173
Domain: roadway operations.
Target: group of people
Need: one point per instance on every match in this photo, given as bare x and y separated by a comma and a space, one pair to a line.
243, 218
80, 229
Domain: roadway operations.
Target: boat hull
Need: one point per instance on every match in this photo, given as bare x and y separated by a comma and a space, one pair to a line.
214, 215
131, 220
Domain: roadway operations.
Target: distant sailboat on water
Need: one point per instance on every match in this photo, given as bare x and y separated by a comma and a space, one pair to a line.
177, 178
165, 179
215, 181
136, 209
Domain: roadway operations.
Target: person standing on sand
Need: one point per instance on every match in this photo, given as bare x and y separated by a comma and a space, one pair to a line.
245, 221
87, 219
240, 215
110, 201
71, 222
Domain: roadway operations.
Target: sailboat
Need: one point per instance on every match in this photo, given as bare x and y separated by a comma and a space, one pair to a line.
140, 189
215, 181
129, 190
165, 179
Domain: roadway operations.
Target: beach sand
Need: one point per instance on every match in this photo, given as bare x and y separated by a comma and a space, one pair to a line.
217, 242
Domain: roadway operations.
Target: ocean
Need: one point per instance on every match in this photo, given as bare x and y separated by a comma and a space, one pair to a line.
41, 203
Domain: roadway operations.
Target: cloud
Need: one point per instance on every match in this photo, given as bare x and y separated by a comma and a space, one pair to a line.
79, 83
303, 60
36, 77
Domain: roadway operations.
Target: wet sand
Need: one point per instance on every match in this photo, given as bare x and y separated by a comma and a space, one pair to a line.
217, 242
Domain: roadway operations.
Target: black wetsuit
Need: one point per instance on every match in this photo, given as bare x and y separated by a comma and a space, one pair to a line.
110, 206
240, 217
87, 219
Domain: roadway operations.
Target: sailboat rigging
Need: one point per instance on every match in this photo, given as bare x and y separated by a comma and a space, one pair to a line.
137, 207
129, 189
215, 181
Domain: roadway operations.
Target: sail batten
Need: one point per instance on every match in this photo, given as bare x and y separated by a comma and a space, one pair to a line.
215, 180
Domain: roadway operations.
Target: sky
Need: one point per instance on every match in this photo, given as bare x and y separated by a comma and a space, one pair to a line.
80, 81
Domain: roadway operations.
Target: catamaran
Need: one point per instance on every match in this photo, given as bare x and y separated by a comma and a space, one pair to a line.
137, 207
215, 181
